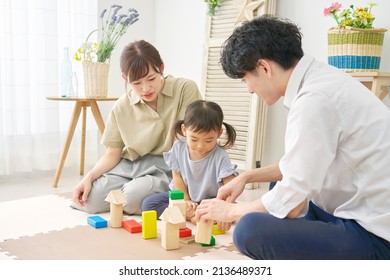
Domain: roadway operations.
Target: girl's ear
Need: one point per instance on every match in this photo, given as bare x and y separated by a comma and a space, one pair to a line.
220, 132
183, 129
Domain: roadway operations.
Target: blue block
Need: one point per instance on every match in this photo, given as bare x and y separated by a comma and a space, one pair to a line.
97, 221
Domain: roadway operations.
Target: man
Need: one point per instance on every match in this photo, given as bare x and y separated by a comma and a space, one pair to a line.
332, 197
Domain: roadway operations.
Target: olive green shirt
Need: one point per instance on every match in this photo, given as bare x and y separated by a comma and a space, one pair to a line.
138, 129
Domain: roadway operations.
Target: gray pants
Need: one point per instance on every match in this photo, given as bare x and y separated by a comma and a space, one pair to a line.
137, 180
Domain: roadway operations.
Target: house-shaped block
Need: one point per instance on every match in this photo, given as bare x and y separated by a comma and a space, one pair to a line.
116, 200
171, 219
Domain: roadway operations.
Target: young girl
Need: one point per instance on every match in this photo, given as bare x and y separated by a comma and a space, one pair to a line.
199, 165
137, 133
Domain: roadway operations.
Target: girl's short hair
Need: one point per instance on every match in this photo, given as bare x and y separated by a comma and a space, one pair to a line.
136, 58
204, 116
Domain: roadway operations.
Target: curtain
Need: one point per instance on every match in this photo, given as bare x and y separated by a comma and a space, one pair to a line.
32, 128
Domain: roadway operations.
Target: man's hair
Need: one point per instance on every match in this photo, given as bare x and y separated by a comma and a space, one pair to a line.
265, 37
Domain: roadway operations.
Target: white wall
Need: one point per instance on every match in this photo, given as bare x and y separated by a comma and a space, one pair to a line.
180, 32
308, 14
176, 28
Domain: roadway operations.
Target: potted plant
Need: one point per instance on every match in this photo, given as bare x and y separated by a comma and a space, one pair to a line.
354, 44
95, 56
212, 6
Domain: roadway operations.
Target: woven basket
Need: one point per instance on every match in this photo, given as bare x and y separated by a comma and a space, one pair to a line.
355, 49
96, 79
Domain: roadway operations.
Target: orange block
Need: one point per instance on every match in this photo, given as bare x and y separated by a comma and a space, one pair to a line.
132, 226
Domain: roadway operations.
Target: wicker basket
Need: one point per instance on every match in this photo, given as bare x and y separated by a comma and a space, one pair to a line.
355, 49
96, 79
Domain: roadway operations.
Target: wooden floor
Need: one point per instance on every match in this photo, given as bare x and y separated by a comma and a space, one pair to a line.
37, 184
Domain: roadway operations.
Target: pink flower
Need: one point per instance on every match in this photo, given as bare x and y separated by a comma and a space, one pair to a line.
334, 8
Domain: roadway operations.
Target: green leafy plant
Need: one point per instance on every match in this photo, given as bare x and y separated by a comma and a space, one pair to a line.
113, 27
213, 5
360, 17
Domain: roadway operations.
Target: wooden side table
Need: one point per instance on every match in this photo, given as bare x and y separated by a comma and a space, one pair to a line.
81, 104
377, 82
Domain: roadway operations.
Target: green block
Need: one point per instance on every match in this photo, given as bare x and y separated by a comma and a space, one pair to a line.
176, 194
212, 242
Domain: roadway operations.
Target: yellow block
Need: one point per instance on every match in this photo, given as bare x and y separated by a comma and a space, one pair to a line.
216, 231
149, 224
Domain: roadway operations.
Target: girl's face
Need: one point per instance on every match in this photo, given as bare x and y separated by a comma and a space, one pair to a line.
200, 144
148, 87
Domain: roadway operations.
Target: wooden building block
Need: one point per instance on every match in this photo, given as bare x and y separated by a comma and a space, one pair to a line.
188, 239
203, 231
185, 232
176, 194
116, 215
217, 231
169, 236
132, 226
116, 199
210, 243
149, 224
97, 221
172, 215
181, 204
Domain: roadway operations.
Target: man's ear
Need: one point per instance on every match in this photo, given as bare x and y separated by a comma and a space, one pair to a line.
266, 67
183, 130
263, 65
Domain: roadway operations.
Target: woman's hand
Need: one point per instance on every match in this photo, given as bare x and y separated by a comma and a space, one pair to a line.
110, 159
81, 192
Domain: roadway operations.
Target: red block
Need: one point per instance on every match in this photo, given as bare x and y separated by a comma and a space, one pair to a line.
185, 232
132, 226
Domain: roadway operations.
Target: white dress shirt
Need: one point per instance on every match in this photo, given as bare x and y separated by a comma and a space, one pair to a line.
337, 148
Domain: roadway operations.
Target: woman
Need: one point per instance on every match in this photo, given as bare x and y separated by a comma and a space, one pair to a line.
137, 133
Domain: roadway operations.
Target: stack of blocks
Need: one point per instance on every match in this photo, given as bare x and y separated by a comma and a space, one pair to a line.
173, 220
176, 198
116, 199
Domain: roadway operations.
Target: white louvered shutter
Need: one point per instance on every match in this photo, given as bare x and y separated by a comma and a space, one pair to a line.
244, 111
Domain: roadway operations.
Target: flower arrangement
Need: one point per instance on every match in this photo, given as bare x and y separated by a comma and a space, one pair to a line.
360, 17
113, 27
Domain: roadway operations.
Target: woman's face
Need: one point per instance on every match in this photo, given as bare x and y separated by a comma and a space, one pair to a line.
148, 87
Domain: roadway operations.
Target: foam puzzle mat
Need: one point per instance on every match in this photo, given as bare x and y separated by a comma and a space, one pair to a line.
46, 228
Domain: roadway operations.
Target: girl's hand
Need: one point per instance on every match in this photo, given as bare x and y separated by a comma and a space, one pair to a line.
224, 225
190, 210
